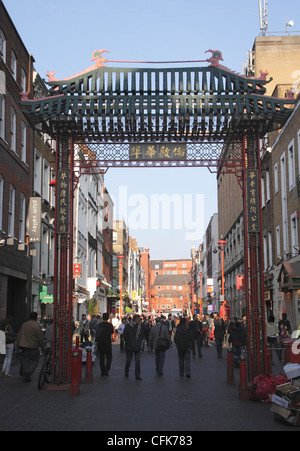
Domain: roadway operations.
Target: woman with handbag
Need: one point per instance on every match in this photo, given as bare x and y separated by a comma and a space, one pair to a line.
10, 337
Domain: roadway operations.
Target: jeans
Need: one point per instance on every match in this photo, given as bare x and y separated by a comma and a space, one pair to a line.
137, 357
9, 353
198, 342
184, 362
159, 360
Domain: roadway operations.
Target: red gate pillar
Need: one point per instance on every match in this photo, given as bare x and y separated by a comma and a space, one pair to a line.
63, 268
253, 262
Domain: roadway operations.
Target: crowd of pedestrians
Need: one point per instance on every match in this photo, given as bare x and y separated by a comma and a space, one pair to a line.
137, 333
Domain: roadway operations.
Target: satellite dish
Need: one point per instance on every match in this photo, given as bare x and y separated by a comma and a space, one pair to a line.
291, 23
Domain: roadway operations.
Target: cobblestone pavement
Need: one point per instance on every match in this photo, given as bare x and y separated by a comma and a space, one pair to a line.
169, 403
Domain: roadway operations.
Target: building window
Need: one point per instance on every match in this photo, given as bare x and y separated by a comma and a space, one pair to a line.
11, 210
291, 157
1, 200
3, 46
13, 64
22, 218
23, 80
37, 172
23, 141
265, 249
2, 116
270, 249
278, 247
268, 196
263, 196
46, 181
13, 130
294, 233
276, 178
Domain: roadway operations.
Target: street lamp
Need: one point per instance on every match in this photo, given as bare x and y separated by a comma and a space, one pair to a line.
221, 243
200, 308
121, 281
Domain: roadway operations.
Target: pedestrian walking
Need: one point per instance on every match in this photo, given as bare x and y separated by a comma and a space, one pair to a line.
30, 340
184, 341
84, 329
10, 338
272, 336
196, 328
205, 330
104, 333
160, 341
133, 336
121, 332
219, 332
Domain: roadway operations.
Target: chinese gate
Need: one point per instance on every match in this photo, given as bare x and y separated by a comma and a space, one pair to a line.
184, 117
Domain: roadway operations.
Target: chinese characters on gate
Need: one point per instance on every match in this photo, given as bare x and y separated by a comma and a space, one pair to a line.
253, 201
157, 152
62, 184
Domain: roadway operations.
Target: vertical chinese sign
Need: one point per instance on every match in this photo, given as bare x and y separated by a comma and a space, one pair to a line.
63, 184
253, 201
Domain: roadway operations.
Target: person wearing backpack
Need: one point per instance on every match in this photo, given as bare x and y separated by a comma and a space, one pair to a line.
184, 340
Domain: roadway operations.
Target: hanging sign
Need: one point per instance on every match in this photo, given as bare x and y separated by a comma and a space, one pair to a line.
34, 216
157, 152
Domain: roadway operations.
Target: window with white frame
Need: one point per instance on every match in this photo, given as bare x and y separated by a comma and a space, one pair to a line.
13, 64
37, 184
1, 200
263, 196
268, 196
270, 248
13, 130
298, 142
276, 178
291, 162
3, 46
23, 141
11, 210
23, 80
22, 218
294, 232
2, 116
265, 249
278, 247
46, 181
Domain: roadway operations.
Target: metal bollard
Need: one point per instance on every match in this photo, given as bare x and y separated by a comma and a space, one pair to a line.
230, 371
89, 367
244, 392
74, 390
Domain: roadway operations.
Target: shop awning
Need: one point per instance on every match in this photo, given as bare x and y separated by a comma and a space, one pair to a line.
289, 276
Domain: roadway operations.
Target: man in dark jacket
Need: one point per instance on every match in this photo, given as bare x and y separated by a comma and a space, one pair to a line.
104, 333
196, 328
219, 333
133, 336
184, 340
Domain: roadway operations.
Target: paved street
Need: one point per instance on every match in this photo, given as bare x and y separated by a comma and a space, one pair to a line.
164, 404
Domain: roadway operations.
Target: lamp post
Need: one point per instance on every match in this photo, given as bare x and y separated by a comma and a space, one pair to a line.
221, 243
121, 257
200, 308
